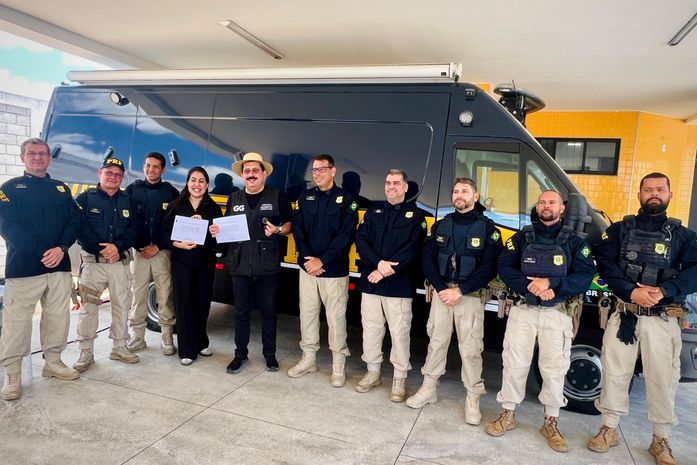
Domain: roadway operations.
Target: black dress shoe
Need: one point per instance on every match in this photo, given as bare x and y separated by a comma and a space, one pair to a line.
271, 363
236, 365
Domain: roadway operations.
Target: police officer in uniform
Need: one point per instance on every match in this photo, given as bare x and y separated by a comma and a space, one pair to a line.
650, 263
110, 226
459, 260
388, 241
255, 264
151, 257
548, 266
39, 221
324, 223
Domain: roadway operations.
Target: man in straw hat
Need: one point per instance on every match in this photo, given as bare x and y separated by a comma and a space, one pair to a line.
255, 263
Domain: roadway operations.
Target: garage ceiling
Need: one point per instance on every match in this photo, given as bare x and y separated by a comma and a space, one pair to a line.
590, 55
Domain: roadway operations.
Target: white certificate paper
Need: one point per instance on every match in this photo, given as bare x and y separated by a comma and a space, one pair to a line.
232, 229
189, 230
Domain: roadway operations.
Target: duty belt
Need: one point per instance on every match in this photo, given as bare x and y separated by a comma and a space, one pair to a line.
90, 258
664, 311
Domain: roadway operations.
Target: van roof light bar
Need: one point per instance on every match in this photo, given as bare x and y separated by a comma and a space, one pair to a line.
422, 73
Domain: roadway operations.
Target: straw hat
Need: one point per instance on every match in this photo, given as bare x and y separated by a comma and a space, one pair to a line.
251, 156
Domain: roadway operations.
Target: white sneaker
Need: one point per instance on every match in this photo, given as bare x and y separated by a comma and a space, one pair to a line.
207, 352
186, 361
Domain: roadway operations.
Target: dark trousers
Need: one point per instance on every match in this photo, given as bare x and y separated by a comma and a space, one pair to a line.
192, 287
245, 290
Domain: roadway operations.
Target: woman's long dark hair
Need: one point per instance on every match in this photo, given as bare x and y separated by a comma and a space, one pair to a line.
185, 194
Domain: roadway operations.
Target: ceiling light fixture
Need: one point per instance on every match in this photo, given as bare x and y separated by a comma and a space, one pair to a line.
240, 31
685, 30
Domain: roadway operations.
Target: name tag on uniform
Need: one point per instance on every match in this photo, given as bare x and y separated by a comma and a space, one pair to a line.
310, 197
440, 239
20, 186
95, 210
378, 210
266, 207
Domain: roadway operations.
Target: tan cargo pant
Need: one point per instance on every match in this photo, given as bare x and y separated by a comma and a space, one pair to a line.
333, 293
468, 319
553, 331
157, 268
396, 311
659, 342
21, 296
94, 279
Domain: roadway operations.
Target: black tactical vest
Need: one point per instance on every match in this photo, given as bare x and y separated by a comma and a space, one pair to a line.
109, 226
260, 255
545, 258
645, 257
457, 263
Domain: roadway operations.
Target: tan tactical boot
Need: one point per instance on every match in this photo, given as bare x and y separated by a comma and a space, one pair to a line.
168, 341
12, 389
426, 393
84, 361
660, 449
54, 367
505, 422
307, 364
607, 437
550, 430
338, 378
369, 381
137, 341
472, 414
399, 390
122, 354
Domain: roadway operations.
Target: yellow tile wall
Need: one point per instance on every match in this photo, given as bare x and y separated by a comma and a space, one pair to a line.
642, 136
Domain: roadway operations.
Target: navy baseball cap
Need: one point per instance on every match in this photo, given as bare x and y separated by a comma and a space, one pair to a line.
113, 162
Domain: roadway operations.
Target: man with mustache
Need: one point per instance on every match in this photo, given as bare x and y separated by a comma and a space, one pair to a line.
459, 260
255, 264
548, 267
650, 263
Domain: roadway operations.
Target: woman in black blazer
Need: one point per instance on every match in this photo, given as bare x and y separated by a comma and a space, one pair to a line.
193, 267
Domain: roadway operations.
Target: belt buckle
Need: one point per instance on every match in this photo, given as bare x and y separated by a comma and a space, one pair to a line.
663, 315
643, 311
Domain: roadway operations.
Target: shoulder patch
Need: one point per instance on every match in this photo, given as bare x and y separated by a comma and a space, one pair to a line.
603, 236
585, 251
3, 197
423, 224
509, 245
353, 205
495, 235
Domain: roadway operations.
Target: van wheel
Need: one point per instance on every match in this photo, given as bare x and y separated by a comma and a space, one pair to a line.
152, 321
583, 380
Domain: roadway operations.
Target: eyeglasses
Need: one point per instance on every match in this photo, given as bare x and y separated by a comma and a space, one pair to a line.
251, 171
37, 154
320, 169
113, 174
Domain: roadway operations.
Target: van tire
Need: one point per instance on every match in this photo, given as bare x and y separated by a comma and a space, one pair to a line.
152, 320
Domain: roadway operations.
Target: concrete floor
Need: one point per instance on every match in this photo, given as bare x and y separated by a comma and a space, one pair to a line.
160, 412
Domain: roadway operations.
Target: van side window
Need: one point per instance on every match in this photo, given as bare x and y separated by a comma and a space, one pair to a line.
537, 181
497, 176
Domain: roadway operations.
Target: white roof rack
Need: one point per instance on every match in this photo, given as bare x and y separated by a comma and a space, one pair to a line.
424, 73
